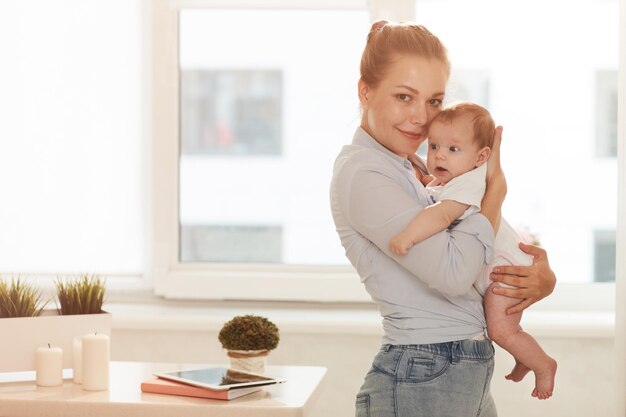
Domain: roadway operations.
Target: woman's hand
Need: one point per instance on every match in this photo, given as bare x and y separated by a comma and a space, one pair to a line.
494, 169
532, 283
496, 184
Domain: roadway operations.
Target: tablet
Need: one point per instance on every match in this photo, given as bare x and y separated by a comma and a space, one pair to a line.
220, 378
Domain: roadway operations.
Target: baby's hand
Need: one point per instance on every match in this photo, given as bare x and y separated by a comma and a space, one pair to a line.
400, 244
427, 179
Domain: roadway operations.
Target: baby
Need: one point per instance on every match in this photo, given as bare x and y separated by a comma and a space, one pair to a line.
459, 144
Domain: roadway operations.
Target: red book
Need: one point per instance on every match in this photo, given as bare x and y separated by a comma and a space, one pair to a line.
163, 386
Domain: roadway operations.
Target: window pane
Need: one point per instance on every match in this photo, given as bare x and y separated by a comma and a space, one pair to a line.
606, 113
70, 159
604, 246
550, 84
234, 112
264, 112
232, 243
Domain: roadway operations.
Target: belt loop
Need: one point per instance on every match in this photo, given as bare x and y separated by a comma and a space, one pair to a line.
455, 352
387, 348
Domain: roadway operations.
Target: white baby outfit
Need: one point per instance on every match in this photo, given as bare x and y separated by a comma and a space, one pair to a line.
469, 189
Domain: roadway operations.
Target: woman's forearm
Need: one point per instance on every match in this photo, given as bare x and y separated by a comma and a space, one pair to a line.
496, 184
493, 199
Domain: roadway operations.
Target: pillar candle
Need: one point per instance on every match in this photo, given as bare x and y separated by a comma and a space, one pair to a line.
49, 366
77, 359
95, 375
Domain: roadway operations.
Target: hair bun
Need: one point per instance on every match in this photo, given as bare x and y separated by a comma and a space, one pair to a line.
378, 25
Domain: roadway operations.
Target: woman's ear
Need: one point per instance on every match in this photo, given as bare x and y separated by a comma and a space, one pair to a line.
363, 90
483, 155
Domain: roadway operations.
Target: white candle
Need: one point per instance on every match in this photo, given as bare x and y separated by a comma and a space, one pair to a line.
49, 366
77, 359
95, 362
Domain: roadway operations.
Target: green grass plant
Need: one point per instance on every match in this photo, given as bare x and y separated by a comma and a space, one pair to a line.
19, 299
83, 294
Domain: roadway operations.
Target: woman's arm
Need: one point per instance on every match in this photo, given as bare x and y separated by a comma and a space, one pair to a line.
376, 200
496, 184
532, 283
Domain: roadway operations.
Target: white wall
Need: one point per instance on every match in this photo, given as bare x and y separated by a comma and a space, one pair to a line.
584, 382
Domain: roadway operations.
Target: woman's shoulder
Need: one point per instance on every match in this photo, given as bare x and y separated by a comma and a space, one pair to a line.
355, 158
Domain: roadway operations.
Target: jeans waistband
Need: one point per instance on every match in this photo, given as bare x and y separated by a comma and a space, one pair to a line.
460, 349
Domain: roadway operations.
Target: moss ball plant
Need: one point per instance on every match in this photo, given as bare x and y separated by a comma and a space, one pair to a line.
249, 332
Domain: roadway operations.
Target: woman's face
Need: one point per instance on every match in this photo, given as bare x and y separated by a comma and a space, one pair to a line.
398, 110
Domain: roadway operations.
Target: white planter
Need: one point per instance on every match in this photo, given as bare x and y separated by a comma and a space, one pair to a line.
248, 360
20, 337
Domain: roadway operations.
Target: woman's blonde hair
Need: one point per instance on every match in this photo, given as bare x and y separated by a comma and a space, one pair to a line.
484, 126
387, 40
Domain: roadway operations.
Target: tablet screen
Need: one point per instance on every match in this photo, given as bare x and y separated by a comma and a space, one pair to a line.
218, 377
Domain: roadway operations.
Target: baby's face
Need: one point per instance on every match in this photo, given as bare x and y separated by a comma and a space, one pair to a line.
451, 149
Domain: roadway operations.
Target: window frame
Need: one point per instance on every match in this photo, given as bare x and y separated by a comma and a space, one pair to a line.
173, 279
269, 282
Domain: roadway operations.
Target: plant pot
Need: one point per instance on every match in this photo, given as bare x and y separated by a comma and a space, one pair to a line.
22, 336
248, 360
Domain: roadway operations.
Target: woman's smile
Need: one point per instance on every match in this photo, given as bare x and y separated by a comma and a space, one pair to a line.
412, 135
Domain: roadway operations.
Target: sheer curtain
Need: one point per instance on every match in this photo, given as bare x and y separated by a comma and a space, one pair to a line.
70, 137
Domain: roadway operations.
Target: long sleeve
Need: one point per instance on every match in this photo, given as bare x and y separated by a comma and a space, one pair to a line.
378, 204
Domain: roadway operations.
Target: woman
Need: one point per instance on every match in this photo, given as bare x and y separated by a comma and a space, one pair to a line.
435, 360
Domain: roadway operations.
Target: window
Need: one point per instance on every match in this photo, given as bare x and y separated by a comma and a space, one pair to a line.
604, 255
245, 138
226, 114
533, 81
606, 114
71, 137
224, 243
254, 155
558, 111
234, 112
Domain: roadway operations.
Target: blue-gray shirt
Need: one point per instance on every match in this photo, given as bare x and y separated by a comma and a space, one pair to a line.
426, 296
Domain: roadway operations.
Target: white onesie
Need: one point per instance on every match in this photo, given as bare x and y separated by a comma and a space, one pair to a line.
469, 189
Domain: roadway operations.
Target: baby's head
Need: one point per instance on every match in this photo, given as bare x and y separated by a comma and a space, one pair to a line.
459, 140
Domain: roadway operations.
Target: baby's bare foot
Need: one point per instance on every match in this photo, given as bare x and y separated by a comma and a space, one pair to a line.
518, 373
544, 381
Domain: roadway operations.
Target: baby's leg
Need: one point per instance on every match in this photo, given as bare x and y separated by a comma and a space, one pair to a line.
506, 332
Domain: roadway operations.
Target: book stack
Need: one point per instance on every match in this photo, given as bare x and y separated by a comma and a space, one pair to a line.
164, 386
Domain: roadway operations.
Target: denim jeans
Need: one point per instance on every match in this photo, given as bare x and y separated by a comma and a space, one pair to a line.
438, 380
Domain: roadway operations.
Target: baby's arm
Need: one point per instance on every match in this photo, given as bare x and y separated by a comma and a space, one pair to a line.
431, 220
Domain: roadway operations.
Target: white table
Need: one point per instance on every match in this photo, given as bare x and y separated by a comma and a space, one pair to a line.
20, 397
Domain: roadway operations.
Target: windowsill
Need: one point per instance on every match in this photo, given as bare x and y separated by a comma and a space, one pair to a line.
319, 318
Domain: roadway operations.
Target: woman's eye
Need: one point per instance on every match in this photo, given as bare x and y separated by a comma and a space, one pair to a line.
435, 102
404, 97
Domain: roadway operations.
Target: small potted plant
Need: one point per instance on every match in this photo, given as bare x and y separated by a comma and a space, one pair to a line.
248, 340
19, 299
82, 295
